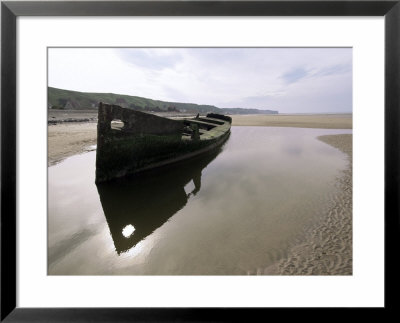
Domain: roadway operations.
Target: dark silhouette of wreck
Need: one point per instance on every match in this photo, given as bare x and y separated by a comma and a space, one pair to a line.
145, 201
130, 141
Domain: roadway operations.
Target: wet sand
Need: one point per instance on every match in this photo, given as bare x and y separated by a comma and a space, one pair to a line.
322, 121
327, 249
68, 139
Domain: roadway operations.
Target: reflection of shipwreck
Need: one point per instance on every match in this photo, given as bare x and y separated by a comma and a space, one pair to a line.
135, 207
130, 141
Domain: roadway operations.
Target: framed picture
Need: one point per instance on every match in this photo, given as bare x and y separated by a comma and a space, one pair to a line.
348, 47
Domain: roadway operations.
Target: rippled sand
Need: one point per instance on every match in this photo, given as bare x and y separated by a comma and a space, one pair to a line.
328, 247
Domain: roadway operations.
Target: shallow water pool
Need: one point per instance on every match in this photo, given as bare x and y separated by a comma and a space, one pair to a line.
230, 212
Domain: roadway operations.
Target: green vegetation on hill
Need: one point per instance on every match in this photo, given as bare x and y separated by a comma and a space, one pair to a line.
73, 100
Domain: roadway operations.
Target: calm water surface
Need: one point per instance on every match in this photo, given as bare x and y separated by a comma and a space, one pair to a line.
228, 213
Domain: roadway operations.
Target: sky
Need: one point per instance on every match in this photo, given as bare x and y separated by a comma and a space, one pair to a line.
290, 80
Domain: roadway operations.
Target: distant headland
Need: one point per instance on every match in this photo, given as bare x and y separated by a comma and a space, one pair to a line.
60, 99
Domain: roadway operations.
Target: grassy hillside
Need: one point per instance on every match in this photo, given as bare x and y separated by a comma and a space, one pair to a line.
73, 100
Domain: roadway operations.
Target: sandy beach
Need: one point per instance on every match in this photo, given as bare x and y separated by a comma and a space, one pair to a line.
68, 139
327, 249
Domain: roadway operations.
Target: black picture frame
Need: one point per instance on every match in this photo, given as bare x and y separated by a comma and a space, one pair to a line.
10, 10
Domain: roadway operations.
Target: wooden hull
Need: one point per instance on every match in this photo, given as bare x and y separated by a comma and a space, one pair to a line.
147, 141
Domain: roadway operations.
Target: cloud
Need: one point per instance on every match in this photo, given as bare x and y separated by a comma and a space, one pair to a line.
284, 79
334, 70
149, 59
294, 75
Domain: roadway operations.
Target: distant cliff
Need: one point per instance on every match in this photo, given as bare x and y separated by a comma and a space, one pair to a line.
247, 111
73, 100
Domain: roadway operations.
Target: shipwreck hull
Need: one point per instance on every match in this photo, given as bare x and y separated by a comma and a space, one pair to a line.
142, 141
